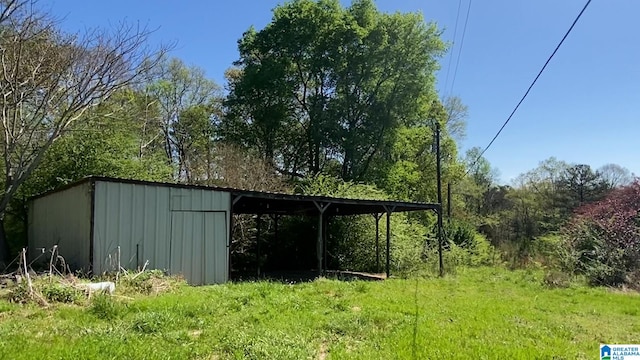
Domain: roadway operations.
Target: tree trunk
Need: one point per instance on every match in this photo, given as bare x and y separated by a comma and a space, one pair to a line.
4, 245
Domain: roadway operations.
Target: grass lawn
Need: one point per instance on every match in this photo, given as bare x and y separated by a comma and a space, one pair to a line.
485, 313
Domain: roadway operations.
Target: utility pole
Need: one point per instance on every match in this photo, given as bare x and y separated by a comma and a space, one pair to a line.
439, 179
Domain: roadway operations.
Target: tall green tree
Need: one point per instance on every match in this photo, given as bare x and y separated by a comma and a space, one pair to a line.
580, 185
323, 86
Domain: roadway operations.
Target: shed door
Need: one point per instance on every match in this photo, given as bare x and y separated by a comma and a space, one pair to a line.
199, 246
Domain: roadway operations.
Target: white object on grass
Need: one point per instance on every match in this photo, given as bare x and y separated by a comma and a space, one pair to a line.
106, 287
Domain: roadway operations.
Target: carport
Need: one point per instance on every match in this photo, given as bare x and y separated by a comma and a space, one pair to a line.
262, 203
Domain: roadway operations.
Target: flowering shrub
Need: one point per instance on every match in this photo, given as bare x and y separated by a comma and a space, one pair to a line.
602, 240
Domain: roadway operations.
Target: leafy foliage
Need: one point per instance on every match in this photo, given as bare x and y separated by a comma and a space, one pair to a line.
604, 237
55, 292
323, 88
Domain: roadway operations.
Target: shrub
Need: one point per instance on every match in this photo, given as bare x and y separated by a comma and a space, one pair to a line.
147, 282
19, 294
557, 279
602, 240
460, 233
56, 292
352, 239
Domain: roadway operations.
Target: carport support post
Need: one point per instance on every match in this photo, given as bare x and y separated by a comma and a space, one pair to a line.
388, 242
389, 210
258, 226
319, 243
377, 217
325, 229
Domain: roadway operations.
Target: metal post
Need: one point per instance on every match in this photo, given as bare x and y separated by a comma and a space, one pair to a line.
319, 243
439, 179
324, 241
377, 217
258, 226
230, 237
388, 242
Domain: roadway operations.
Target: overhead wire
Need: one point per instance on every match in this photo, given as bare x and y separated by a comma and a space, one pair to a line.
455, 34
575, 21
464, 31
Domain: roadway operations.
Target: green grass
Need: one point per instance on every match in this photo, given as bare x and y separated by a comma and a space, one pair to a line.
483, 313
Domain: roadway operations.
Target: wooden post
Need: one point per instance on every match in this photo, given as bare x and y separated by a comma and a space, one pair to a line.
51, 261
319, 242
26, 271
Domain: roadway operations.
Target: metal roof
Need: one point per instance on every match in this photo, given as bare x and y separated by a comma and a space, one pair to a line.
259, 202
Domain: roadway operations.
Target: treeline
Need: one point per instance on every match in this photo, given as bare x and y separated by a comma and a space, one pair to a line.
569, 218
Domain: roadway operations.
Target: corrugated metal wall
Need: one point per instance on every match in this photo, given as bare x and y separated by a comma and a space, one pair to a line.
135, 218
196, 249
62, 218
140, 219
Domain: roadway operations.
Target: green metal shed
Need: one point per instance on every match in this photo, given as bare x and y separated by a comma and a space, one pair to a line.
100, 224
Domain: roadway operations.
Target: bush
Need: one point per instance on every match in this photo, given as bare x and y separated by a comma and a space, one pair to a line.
478, 252
589, 253
460, 233
557, 279
19, 294
602, 240
351, 239
147, 282
56, 292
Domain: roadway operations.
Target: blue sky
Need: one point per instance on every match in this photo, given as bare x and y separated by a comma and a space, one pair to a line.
584, 108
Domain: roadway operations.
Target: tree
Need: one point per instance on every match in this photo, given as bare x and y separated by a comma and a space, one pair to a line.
189, 105
322, 84
457, 114
544, 188
580, 184
105, 142
615, 175
50, 79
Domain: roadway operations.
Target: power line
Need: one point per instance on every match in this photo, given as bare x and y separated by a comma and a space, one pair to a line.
455, 34
530, 86
464, 31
